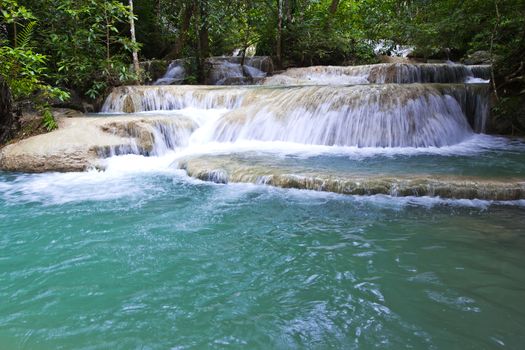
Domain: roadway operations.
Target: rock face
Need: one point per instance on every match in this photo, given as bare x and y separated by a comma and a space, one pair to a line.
7, 119
228, 70
155, 69
80, 142
478, 57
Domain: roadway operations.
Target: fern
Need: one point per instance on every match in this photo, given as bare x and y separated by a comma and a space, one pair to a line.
24, 37
48, 120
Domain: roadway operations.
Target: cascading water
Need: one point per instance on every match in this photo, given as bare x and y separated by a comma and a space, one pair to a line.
174, 75
397, 107
230, 71
400, 73
363, 116
388, 115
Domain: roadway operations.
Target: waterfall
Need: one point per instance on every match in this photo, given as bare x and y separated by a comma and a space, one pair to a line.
363, 116
373, 115
389, 105
226, 73
175, 74
399, 73
130, 99
150, 136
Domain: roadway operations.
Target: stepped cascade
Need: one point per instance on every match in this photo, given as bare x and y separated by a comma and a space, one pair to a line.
224, 70
401, 73
164, 185
385, 105
238, 133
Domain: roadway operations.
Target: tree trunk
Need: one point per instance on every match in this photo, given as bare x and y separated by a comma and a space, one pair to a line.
7, 118
333, 7
181, 39
203, 29
278, 48
203, 47
108, 55
331, 12
288, 11
133, 39
492, 38
15, 35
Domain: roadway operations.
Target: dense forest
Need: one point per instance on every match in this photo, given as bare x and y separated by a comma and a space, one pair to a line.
57, 50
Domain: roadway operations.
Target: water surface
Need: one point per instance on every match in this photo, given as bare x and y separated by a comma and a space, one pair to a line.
152, 259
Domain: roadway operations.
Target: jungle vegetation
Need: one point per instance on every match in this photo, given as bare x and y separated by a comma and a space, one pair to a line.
50, 49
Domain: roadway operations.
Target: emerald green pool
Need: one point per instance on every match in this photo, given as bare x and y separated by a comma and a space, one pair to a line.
156, 260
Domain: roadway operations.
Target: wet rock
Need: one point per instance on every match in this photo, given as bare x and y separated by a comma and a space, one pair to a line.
207, 168
128, 105
154, 69
478, 57
80, 142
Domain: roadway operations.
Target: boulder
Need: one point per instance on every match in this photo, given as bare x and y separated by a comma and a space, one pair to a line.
81, 142
478, 57
154, 69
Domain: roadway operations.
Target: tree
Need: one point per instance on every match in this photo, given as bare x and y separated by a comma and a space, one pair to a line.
133, 38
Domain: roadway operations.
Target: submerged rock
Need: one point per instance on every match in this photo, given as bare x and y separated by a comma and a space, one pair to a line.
225, 169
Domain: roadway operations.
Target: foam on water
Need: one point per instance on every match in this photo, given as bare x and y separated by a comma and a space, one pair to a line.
476, 144
126, 176
136, 178
133, 176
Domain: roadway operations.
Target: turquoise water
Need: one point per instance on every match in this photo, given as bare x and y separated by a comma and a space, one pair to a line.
506, 163
155, 260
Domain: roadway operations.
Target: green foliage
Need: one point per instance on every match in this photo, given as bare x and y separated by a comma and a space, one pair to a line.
22, 68
84, 45
48, 120
82, 42
89, 49
319, 36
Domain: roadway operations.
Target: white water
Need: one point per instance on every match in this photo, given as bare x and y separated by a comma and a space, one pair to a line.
385, 47
203, 140
400, 73
225, 70
388, 115
175, 73
357, 122
135, 178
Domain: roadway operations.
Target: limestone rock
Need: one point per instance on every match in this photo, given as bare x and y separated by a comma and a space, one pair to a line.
80, 142
478, 57
226, 169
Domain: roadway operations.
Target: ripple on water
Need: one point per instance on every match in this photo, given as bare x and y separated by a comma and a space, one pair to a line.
162, 261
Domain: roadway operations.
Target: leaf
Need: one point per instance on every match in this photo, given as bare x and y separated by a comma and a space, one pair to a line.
24, 36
